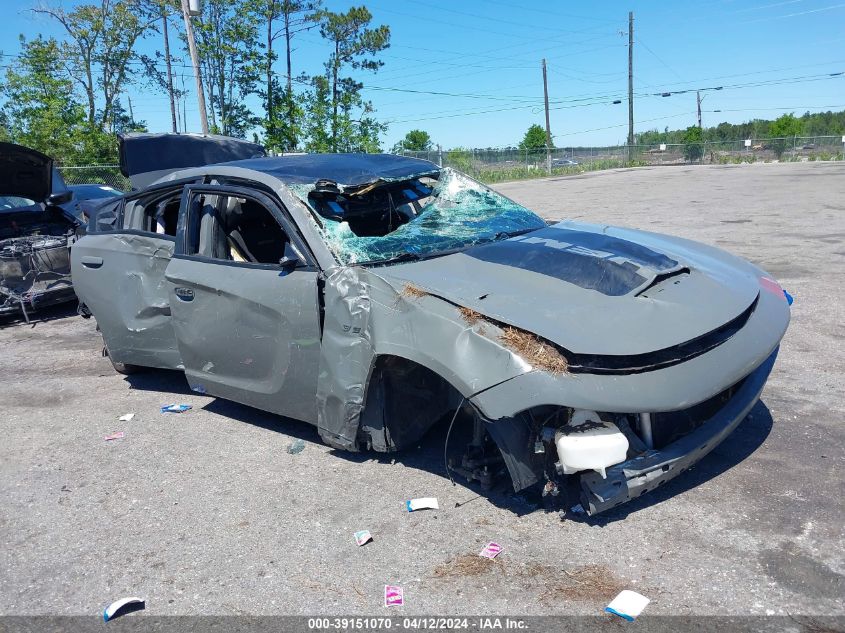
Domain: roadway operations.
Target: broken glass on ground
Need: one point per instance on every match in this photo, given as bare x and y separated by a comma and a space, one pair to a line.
296, 447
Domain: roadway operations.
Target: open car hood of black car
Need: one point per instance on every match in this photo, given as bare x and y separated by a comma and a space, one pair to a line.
25, 173
144, 158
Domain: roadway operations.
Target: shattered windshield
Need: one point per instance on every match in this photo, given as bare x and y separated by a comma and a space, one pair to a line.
413, 218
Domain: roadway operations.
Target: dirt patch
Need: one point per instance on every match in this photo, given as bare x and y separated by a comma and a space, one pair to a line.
588, 583
534, 350
591, 582
410, 291
466, 565
469, 315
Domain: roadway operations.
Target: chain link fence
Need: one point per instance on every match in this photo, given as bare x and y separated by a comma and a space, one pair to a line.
96, 174
498, 164
495, 165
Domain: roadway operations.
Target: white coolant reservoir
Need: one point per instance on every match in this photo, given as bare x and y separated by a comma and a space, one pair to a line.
589, 443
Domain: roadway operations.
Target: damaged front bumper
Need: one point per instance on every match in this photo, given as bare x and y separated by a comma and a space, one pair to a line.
35, 271
644, 473
15, 304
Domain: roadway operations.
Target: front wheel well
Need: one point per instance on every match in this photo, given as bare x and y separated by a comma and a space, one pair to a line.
404, 399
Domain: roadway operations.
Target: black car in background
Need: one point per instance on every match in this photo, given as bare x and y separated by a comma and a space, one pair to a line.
89, 196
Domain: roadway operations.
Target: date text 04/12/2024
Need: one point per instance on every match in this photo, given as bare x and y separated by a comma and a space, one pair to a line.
416, 623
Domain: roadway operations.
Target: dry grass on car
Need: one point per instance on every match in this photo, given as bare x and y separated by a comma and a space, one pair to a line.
410, 291
469, 315
534, 350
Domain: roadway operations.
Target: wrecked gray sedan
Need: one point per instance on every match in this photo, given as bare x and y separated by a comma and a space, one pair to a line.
373, 295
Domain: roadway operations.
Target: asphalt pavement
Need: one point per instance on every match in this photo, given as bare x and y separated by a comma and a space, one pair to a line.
207, 512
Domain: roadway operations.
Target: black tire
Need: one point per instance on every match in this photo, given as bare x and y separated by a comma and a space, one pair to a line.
122, 368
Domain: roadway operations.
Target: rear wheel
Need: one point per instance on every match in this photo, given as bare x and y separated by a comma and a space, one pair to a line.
122, 368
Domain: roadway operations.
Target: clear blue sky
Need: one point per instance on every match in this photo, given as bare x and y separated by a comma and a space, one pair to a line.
486, 55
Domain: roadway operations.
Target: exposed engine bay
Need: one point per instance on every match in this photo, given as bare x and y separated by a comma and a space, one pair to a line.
35, 263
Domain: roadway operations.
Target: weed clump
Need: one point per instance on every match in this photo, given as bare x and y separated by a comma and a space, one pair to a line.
533, 349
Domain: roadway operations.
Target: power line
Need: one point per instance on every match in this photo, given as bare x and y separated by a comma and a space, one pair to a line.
611, 127
669, 68
801, 107
766, 6
792, 15
753, 72
508, 22
574, 103
551, 13
599, 97
416, 73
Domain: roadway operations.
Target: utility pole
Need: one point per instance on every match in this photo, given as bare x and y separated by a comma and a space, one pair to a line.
548, 127
184, 99
192, 47
131, 115
698, 104
630, 82
169, 69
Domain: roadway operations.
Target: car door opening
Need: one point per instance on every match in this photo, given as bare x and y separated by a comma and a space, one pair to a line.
238, 229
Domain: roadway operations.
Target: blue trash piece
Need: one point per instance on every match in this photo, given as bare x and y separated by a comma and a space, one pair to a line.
175, 408
788, 296
619, 613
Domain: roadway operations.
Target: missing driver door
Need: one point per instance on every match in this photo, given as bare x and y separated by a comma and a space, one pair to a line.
243, 295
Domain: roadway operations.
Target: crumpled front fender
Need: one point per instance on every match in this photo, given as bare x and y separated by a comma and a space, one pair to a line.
367, 316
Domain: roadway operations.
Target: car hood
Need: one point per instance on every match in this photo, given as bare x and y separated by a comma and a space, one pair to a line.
25, 172
593, 289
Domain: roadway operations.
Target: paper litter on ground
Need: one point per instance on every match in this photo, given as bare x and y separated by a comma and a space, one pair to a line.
124, 605
628, 604
423, 503
491, 550
362, 537
393, 596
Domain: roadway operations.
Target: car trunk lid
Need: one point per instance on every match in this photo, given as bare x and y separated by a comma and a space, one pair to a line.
144, 158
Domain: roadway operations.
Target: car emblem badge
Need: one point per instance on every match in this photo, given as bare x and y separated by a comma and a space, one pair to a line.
185, 294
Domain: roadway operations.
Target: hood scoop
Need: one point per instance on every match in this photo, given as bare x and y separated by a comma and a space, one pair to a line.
594, 261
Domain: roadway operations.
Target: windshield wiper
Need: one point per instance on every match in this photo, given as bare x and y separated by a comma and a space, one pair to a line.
501, 235
507, 234
402, 257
